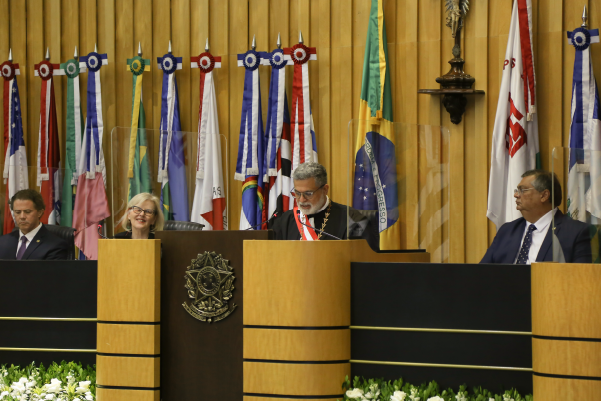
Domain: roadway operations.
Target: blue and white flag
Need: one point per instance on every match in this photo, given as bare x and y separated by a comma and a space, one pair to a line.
584, 181
172, 167
251, 145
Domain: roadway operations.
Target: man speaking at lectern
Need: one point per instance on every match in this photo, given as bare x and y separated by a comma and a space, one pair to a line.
314, 209
528, 239
32, 240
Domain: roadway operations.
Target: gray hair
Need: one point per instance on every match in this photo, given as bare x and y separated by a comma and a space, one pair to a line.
311, 170
545, 180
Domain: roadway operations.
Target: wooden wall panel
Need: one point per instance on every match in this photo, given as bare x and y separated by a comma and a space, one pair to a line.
419, 46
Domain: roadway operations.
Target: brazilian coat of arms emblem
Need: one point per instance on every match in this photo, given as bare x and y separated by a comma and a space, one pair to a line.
210, 284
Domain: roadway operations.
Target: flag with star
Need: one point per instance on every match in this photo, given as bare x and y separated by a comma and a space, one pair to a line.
74, 130
138, 168
375, 180
15, 158
172, 168
49, 175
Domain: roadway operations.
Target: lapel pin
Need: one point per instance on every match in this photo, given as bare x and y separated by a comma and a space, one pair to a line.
38, 241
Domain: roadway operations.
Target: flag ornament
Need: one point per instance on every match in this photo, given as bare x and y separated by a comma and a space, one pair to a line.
209, 196
172, 169
15, 158
304, 145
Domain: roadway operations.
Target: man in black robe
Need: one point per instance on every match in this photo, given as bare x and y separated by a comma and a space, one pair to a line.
316, 210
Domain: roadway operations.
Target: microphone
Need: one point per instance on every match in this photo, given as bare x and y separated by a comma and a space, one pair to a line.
275, 214
316, 229
99, 233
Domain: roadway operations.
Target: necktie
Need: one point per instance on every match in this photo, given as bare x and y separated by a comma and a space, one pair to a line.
22, 248
523, 255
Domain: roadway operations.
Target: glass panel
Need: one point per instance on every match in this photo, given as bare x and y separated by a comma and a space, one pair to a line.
179, 205
577, 194
406, 201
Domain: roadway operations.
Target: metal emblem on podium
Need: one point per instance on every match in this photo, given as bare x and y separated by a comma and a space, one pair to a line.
210, 284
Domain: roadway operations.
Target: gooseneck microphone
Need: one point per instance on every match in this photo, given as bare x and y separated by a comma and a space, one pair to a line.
316, 229
100, 233
263, 222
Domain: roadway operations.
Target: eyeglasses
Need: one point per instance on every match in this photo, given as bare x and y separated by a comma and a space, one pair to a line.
139, 210
520, 191
307, 195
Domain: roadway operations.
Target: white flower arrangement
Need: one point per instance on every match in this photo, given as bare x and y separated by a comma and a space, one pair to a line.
64, 382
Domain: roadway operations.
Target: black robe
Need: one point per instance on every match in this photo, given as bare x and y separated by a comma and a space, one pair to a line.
285, 228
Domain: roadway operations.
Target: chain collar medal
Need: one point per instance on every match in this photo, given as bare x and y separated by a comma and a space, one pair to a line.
301, 228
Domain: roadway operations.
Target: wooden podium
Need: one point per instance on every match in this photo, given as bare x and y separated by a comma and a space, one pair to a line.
566, 331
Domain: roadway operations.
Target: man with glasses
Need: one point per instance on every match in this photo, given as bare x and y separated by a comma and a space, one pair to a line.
32, 240
315, 210
528, 239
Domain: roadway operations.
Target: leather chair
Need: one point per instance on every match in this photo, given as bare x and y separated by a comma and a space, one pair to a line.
174, 225
373, 238
66, 233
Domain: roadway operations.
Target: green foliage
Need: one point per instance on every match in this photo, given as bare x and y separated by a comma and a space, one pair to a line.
67, 381
380, 390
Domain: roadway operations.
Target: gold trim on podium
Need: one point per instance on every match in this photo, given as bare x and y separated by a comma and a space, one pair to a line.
128, 315
566, 325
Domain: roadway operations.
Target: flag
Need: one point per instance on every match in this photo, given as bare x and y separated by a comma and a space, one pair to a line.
249, 166
91, 204
208, 207
278, 157
138, 168
172, 168
515, 135
584, 191
15, 158
375, 180
74, 130
304, 146
49, 175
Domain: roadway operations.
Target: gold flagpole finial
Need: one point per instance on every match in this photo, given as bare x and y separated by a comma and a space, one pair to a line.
584, 18
279, 43
207, 46
95, 48
47, 54
10, 55
169, 51
300, 37
140, 49
75, 54
254, 45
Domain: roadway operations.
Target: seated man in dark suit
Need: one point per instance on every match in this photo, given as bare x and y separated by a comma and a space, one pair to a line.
528, 239
32, 240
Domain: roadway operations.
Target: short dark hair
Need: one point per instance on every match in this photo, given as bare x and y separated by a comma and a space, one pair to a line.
546, 180
31, 195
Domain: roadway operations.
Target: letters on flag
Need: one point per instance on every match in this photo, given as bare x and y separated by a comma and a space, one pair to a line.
250, 163
172, 168
304, 145
375, 181
48, 164
91, 204
209, 196
515, 135
15, 158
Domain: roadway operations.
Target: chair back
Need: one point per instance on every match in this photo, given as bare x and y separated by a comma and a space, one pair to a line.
66, 233
174, 225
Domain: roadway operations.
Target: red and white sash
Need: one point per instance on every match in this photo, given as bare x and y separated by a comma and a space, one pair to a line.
307, 234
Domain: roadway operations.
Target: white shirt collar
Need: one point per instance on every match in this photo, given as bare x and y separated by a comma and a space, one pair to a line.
542, 223
324, 205
30, 235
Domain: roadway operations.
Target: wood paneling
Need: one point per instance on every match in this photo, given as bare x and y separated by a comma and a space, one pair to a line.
552, 389
419, 46
558, 309
294, 379
127, 395
297, 345
129, 289
128, 371
570, 358
129, 339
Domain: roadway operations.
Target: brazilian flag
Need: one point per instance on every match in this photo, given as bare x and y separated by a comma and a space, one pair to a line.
138, 170
375, 180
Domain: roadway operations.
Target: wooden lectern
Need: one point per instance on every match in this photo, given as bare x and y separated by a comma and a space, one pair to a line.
566, 331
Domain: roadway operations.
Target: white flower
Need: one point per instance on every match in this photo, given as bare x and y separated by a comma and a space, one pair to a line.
89, 396
507, 397
355, 393
437, 398
460, 396
54, 386
398, 396
413, 395
49, 396
83, 387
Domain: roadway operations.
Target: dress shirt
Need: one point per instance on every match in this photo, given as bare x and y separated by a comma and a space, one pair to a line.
29, 237
538, 235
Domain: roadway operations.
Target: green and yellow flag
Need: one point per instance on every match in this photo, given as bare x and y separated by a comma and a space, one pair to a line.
138, 170
375, 181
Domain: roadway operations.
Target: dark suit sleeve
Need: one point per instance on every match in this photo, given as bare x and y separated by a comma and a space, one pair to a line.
58, 252
490, 252
582, 246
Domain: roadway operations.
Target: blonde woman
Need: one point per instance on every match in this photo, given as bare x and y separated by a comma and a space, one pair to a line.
144, 217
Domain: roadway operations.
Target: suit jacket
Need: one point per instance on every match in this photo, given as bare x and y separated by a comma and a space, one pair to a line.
573, 237
44, 246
